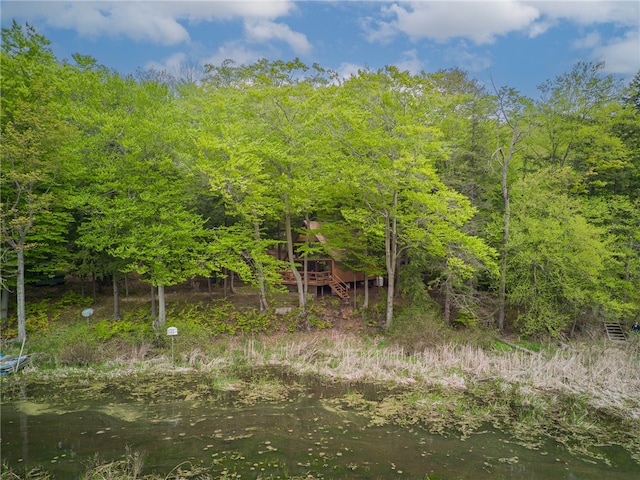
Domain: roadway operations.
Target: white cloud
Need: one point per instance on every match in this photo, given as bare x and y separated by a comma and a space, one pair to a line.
589, 12
265, 30
156, 22
410, 62
235, 51
137, 21
471, 61
346, 70
620, 55
441, 21
377, 30
540, 27
171, 64
483, 21
592, 40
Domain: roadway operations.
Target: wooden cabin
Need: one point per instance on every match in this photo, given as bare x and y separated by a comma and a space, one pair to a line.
322, 271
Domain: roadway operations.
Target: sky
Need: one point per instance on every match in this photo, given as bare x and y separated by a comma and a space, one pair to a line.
514, 43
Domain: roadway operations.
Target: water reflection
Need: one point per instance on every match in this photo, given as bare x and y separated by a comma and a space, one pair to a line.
308, 433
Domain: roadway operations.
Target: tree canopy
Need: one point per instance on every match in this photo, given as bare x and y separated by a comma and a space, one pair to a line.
527, 206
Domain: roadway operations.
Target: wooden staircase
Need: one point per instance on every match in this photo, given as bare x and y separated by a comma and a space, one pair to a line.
615, 333
338, 287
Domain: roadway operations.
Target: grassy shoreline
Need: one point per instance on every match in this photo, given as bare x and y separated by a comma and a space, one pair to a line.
583, 396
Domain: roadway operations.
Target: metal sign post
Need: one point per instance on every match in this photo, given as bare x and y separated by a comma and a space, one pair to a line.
87, 312
172, 332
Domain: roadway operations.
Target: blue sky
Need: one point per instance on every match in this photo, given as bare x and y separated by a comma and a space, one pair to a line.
517, 43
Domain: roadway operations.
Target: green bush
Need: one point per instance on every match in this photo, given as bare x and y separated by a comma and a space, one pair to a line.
252, 321
71, 299
466, 318
415, 329
70, 345
130, 331
40, 316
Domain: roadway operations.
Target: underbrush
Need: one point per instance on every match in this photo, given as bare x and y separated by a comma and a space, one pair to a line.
44, 314
420, 326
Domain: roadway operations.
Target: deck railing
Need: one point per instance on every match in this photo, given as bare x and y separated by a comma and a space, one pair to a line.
313, 278
340, 287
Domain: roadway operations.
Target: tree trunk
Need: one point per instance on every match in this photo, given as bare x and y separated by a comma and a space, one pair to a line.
4, 304
391, 256
505, 228
116, 298
262, 291
292, 263
154, 307
162, 311
365, 303
447, 300
22, 317
94, 285
305, 262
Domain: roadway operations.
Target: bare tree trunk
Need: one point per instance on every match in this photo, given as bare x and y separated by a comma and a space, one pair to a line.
365, 303
162, 311
4, 304
505, 227
94, 284
391, 257
447, 300
264, 305
116, 298
232, 286
154, 307
305, 262
292, 263
20, 292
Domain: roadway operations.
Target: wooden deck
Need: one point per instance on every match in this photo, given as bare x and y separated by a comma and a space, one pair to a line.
320, 279
317, 279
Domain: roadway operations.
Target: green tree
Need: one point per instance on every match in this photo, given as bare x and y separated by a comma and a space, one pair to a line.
279, 129
626, 126
138, 205
469, 131
235, 172
511, 115
384, 123
34, 158
575, 114
557, 259
619, 216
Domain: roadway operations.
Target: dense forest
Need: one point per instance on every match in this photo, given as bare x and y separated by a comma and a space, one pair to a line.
513, 212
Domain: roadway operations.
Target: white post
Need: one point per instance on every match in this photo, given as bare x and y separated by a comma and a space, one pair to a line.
172, 332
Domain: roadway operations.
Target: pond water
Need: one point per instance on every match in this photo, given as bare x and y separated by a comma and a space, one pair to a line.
309, 432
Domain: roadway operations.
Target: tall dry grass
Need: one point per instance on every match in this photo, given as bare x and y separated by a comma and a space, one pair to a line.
608, 376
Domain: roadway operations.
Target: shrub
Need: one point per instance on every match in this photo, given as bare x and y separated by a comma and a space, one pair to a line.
415, 329
70, 345
131, 332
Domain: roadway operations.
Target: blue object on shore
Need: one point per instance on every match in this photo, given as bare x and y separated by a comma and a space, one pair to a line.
12, 363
